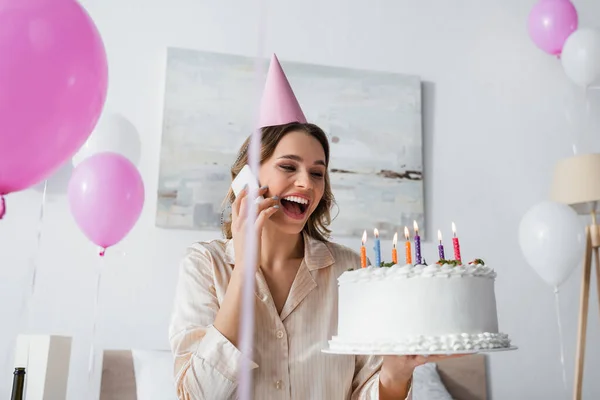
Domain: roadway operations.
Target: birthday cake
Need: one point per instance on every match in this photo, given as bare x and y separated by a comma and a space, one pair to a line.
414, 308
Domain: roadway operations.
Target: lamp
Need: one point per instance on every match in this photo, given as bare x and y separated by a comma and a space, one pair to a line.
576, 182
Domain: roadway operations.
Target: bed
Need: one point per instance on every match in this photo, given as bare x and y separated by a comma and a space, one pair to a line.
464, 378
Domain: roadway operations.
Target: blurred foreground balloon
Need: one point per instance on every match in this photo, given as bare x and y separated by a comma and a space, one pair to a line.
552, 239
53, 80
106, 197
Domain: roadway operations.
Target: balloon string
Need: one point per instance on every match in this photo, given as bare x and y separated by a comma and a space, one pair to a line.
92, 355
250, 252
25, 307
31, 290
2, 206
587, 120
560, 337
39, 236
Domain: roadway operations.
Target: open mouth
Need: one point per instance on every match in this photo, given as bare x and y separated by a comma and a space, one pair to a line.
294, 206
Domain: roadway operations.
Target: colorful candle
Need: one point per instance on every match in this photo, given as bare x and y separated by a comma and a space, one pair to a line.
377, 248
363, 251
440, 246
456, 244
417, 243
407, 245
394, 251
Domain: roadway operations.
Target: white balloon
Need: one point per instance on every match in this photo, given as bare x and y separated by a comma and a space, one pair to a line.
113, 133
552, 239
580, 57
58, 182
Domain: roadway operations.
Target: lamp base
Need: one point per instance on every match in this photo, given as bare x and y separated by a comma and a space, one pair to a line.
592, 234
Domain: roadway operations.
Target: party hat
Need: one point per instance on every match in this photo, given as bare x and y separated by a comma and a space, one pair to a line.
279, 105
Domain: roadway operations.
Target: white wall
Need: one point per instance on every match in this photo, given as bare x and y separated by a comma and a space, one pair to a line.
495, 121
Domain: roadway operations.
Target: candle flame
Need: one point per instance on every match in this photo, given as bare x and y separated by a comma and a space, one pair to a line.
406, 235
376, 232
395, 239
454, 229
416, 227
364, 238
439, 235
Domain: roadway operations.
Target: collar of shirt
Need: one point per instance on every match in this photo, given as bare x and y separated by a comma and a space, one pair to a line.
316, 253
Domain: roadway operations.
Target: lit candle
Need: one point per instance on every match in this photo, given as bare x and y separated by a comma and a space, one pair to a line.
407, 245
394, 251
455, 243
363, 251
440, 246
377, 248
417, 243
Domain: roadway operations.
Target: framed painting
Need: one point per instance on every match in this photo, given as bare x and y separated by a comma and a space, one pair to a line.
373, 121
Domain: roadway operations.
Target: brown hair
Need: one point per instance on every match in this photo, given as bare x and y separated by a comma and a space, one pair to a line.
317, 224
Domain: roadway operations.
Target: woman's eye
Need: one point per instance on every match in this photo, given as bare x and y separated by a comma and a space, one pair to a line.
288, 167
318, 174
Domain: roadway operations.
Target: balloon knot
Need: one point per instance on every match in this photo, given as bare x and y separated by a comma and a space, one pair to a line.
102, 251
555, 289
2, 206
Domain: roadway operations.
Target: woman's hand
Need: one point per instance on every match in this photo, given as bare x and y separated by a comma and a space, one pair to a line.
228, 316
239, 211
397, 371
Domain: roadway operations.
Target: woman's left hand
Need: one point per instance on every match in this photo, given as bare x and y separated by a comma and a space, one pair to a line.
397, 371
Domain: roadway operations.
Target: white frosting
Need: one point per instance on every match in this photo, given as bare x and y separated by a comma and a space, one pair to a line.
398, 271
418, 308
419, 344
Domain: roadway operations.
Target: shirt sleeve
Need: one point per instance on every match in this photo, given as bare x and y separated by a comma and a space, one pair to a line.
206, 363
365, 385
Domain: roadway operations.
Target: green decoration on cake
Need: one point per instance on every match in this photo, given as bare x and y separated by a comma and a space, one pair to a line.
386, 264
477, 261
452, 263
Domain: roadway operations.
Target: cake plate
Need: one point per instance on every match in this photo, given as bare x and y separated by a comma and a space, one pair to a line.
418, 353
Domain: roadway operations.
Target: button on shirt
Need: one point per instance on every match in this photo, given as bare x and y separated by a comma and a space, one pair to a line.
287, 359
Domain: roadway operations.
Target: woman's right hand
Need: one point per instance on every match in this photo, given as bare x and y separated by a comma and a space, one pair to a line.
239, 211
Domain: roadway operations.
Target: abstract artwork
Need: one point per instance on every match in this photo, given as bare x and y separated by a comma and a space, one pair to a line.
373, 121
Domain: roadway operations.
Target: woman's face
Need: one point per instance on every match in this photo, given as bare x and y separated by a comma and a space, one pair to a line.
296, 173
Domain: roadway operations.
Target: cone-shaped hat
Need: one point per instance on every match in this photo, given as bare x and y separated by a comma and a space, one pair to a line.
279, 105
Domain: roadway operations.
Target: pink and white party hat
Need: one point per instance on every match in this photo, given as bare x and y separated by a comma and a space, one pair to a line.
279, 105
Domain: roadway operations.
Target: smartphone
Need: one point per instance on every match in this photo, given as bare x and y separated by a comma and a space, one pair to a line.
245, 177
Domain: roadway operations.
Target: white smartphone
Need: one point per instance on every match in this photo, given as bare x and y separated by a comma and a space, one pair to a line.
245, 177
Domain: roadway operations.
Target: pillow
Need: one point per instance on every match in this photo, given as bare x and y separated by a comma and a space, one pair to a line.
427, 384
154, 378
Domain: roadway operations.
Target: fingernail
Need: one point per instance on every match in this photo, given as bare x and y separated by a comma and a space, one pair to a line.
263, 187
276, 206
275, 197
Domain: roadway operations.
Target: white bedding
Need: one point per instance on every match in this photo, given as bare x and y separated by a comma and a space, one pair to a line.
427, 384
154, 374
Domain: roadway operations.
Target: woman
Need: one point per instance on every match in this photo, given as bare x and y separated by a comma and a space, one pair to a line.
296, 287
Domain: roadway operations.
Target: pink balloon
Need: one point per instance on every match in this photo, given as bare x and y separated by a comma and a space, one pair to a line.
106, 197
53, 83
550, 24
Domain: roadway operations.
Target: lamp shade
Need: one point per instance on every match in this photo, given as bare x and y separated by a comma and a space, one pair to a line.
576, 182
